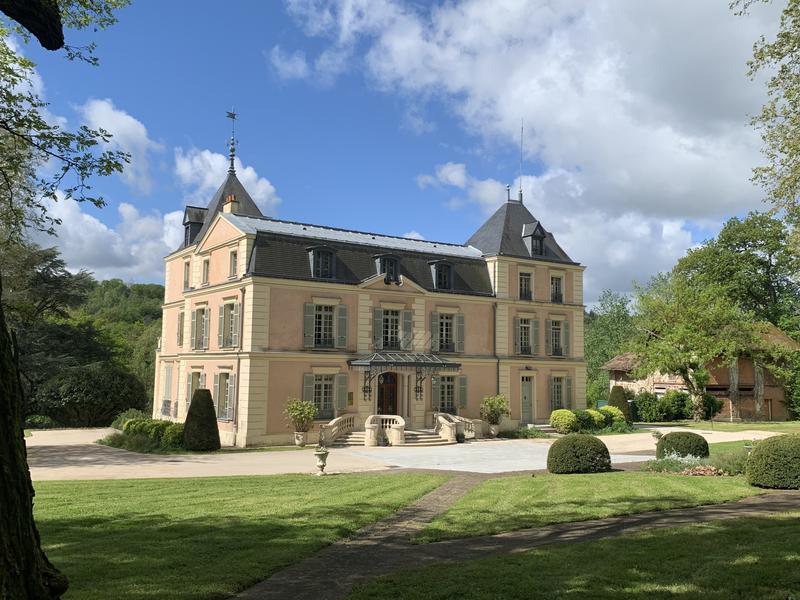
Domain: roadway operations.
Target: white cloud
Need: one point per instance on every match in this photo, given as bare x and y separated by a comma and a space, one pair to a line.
414, 235
133, 250
129, 135
288, 65
201, 172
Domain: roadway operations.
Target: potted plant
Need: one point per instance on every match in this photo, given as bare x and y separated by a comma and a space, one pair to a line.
493, 409
301, 415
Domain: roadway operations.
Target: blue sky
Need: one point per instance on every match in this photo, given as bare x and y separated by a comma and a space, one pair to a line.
401, 118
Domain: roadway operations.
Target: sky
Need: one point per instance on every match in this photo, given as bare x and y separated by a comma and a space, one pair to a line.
405, 118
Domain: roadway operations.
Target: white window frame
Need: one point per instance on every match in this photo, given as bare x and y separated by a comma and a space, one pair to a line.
323, 313
324, 395
233, 266
206, 272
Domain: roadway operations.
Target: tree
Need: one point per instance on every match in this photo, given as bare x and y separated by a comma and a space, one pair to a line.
608, 328
27, 142
682, 327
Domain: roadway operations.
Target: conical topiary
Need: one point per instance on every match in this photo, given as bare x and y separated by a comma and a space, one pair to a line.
200, 429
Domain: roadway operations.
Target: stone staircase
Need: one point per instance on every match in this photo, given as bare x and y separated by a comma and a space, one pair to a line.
414, 438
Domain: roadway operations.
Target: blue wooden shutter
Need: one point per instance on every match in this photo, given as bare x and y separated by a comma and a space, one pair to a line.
308, 387
408, 330
462, 391
535, 336
516, 336
459, 327
436, 393
565, 337
341, 326
341, 391
308, 325
377, 329
434, 332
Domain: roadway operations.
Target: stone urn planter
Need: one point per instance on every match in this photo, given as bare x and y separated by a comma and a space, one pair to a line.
300, 438
321, 452
494, 430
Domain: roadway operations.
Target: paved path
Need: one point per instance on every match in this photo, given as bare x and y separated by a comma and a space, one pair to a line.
385, 547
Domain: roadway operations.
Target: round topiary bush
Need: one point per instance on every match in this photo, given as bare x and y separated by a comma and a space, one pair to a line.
563, 420
173, 436
598, 420
618, 399
682, 443
612, 415
775, 463
578, 453
200, 430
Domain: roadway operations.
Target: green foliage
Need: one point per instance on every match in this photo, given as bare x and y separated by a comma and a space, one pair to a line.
127, 415
731, 463
135, 442
494, 408
616, 427
618, 398
710, 406
89, 396
608, 328
523, 433
300, 413
39, 422
669, 407
147, 436
598, 420
200, 431
775, 463
682, 443
612, 415
673, 463
585, 420
564, 421
173, 436
578, 453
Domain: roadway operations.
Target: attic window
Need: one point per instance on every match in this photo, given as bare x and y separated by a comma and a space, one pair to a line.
322, 263
537, 246
390, 267
442, 276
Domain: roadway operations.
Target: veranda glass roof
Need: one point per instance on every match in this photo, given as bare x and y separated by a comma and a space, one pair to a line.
408, 360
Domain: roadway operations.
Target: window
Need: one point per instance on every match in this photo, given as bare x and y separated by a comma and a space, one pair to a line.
557, 393
234, 259
525, 286
166, 404
444, 279
180, 328
391, 330
447, 398
223, 396
186, 272
323, 326
228, 325
200, 329
556, 347
196, 381
205, 271
537, 246
323, 264
389, 267
556, 289
525, 336
446, 338
323, 395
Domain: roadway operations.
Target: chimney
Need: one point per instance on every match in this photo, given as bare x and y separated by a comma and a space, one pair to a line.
231, 205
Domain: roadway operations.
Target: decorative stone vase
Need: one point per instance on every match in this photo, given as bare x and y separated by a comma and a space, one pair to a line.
322, 457
300, 438
494, 430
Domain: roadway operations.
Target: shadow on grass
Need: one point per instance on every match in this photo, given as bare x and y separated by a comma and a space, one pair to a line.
735, 558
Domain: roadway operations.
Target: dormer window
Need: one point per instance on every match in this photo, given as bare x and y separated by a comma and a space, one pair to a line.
322, 263
442, 276
390, 267
537, 246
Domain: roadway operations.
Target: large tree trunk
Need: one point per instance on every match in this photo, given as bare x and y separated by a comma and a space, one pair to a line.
733, 390
758, 391
25, 572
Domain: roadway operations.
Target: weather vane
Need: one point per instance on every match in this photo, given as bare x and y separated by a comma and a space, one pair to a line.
231, 114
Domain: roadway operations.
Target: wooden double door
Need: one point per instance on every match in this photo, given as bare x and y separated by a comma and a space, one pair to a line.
387, 394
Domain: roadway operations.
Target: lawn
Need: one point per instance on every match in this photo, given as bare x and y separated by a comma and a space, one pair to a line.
509, 503
775, 426
735, 558
204, 538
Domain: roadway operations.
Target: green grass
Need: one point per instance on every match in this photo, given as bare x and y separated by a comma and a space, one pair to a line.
721, 448
509, 503
176, 539
735, 558
775, 426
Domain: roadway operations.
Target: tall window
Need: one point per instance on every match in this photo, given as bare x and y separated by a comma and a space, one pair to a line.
224, 400
323, 395
186, 272
525, 336
166, 405
447, 399
446, 337
556, 347
390, 268
525, 286
228, 325
205, 271
234, 259
556, 289
444, 277
323, 264
200, 340
323, 326
391, 329
557, 393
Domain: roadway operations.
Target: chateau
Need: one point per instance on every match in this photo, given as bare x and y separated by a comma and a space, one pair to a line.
259, 310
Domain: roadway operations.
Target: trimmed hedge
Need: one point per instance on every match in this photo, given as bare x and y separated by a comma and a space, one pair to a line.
612, 415
598, 420
682, 443
775, 463
200, 430
619, 399
172, 436
563, 420
127, 415
578, 453
585, 420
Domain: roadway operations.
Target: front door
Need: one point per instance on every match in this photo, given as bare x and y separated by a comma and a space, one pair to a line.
527, 400
387, 394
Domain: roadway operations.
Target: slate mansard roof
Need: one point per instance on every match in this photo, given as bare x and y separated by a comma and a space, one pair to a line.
281, 250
